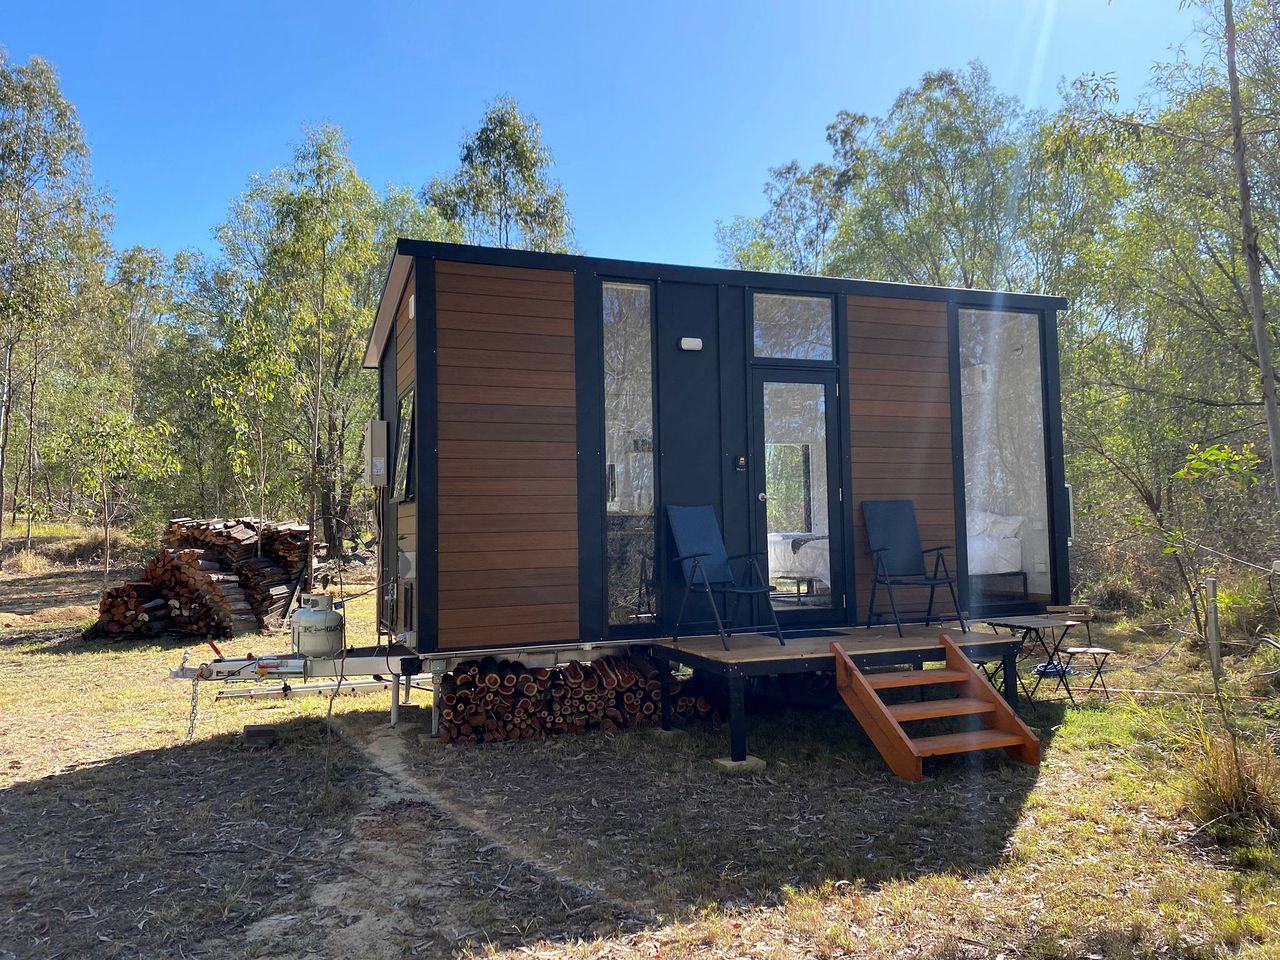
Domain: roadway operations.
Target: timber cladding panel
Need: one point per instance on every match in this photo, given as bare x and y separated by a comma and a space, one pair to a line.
900, 425
507, 469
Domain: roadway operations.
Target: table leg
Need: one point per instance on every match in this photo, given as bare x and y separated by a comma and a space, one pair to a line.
737, 719
665, 677
1039, 636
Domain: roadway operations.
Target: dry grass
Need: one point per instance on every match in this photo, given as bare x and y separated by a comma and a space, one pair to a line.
604, 846
28, 561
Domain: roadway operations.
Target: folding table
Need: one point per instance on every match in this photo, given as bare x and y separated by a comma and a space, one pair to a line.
1041, 628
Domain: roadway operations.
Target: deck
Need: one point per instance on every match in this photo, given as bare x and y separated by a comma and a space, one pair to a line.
809, 651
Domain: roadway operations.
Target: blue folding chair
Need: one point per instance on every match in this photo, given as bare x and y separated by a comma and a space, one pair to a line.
894, 538
708, 569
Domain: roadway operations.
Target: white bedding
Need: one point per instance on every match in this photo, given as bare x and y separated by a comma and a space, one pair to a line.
811, 560
994, 543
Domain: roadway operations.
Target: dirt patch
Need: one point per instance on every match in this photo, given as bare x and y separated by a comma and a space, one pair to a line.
48, 615
648, 820
424, 881
60, 595
170, 852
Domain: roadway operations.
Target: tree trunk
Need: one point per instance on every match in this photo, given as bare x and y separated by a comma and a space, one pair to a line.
1252, 259
315, 455
6, 403
106, 536
31, 437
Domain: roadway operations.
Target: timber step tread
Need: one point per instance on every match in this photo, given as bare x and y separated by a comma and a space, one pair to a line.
913, 678
930, 709
964, 742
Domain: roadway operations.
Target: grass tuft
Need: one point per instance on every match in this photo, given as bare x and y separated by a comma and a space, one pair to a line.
1231, 786
1238, 787
28, 561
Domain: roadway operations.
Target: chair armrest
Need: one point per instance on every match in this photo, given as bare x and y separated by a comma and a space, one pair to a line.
692, 556
935, 550
877, 550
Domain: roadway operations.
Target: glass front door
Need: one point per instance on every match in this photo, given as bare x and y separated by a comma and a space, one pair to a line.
798, 504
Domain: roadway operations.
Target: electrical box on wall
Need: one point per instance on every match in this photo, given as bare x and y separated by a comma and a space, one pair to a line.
375, 453
407, 565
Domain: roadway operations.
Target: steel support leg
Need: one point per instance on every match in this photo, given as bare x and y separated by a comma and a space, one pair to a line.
665, 677
737, 719
435, 704
1010, 668
395, 702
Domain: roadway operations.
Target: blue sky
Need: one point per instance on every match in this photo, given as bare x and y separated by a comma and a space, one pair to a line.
663, 117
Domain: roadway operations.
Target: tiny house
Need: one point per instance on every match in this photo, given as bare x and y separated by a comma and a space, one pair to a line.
541, 411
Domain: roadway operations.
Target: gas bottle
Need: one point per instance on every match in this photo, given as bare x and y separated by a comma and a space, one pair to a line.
316, 627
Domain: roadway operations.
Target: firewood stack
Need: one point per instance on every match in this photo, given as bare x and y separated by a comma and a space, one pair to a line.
287, 545
486, 701
134, 608
203, 597
213, 577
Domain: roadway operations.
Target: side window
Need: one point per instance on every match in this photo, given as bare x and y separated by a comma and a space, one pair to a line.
401, 485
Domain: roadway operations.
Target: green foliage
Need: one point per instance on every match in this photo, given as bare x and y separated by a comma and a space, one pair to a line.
502, 193
1131, 215
1220, 463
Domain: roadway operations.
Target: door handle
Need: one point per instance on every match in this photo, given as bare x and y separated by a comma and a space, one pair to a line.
762, 497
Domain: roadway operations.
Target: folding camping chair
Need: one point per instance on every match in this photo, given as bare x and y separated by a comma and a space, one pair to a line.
708, 569
894, 538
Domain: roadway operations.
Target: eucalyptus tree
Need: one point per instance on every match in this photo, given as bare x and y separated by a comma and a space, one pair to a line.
111, 459
502, 193
45, 201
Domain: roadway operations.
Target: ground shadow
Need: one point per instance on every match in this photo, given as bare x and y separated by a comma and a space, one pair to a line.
31, 593
167, 852
72, 641
214, 849
646, 817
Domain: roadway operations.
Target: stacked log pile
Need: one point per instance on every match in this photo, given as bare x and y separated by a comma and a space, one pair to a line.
487, 701
213, 577
287, 545
134, 608
203, 597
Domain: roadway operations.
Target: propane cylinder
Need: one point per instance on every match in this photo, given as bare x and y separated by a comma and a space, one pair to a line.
316, 627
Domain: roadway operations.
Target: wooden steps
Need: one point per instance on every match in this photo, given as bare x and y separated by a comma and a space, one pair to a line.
966, 742
913, 678
976, 697
932, 709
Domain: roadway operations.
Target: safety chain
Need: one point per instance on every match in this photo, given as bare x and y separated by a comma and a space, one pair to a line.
195, 706
200, 674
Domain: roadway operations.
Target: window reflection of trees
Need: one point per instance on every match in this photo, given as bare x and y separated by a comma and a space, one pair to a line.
792, 327
795, 457
1003, 418
629, 479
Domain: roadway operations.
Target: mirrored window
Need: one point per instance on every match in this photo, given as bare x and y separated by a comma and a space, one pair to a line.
788, 327
1006, 495
628, 443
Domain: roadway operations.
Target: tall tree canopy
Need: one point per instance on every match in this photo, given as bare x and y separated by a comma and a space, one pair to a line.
502, 193
1135, 216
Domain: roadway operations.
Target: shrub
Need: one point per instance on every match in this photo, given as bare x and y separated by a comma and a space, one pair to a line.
1243, 797
1245, 605
1115, 596
1236, 789
28, 561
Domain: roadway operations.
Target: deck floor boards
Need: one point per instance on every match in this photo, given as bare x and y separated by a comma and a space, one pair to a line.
756, 648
